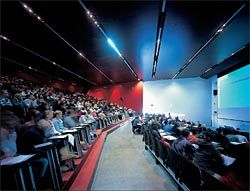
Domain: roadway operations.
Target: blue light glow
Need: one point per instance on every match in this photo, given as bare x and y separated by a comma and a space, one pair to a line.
114, 47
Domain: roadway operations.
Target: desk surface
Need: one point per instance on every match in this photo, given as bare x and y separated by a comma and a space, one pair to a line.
15, 160
169, 137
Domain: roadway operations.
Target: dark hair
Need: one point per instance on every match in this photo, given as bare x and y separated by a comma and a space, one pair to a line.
33, 114
193, 131
185, 132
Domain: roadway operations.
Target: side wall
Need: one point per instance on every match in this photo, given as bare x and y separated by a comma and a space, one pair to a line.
125, 94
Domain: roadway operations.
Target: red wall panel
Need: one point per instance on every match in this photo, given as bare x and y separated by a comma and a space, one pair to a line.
125, 94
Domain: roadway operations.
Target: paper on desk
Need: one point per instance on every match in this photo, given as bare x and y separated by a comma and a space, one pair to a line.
169, 137
58, 137
78, 127
71, 139
15, 160
70, 131
163, 134
227, 160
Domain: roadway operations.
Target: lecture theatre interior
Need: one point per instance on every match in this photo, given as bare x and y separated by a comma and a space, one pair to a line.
125, 95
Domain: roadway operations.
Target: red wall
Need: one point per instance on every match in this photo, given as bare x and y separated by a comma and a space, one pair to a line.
126, 94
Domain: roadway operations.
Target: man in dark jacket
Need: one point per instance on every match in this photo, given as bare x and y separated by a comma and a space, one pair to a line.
182, 145
207, 157
31, 137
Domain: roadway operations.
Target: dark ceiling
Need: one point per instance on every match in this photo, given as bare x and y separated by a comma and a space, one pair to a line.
132, 25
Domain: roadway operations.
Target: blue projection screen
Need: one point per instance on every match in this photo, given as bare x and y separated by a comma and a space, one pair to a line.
234, 95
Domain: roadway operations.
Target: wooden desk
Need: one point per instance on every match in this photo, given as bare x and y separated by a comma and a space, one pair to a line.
74, 132
54, 164
16, 165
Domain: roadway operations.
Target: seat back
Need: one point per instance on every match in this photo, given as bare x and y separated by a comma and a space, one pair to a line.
173, 162
211, 183
190, 174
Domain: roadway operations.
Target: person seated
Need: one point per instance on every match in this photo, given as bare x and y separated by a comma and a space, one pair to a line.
31, 118
5, 99
31, 137
9, 124
206, 156
192, 136
221, 138
9, 146
237, 174
83, 117
69, 121
136, 125
30, 102
168, 127
50, 130
57, 121
182, 145
237, 138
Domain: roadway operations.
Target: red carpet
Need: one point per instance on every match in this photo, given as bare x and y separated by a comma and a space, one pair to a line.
84, 177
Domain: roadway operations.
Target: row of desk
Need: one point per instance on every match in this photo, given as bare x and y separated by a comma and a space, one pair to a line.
18, 164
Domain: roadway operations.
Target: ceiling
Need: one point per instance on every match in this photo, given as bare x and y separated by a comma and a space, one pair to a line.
132, 26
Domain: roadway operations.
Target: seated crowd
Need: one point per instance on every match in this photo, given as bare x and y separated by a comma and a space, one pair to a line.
207, 149
31, 114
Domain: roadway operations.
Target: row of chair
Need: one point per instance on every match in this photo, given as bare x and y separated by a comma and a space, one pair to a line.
183, 171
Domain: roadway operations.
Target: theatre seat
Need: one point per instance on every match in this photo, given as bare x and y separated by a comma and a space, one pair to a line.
211, 183
190, 174
174, 162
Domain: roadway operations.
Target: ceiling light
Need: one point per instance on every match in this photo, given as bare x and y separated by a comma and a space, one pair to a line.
96, 22
30, 11
39, 18
208, 70
25, 6
5, 38
88, 12
220, 30
54, 63
30, 67
91, 15
114, 47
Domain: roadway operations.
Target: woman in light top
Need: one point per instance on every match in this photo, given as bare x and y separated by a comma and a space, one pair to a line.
57, 121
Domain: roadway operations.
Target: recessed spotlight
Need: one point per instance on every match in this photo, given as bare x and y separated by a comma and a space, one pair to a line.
30, 67
88, 12
54, 63
25, 6
39, 18
91, 16
30, 11
220, 30
96, 22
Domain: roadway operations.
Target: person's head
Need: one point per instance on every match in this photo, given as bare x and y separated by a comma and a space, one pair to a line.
48, 114
185, 132
33, 115
42, 124
31, 97
206, 136
9, 121
18, 95
193, 131
71, 113
5, 93
58, 114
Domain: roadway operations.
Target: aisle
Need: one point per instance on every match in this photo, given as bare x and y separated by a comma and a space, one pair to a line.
125, 165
